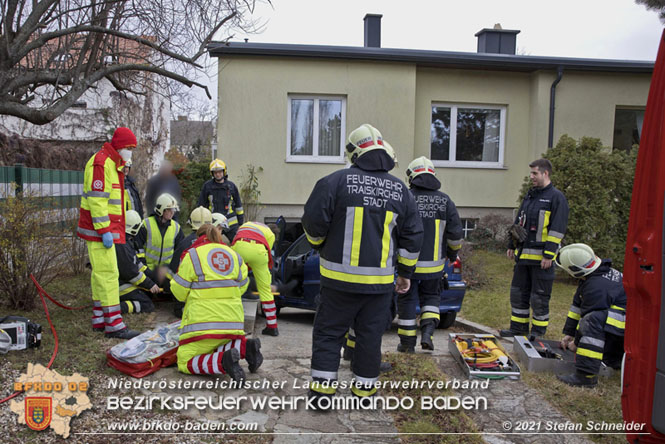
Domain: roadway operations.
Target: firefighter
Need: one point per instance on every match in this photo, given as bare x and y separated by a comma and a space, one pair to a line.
220, 195
364, 221
210, 281
102, 225
535, 239
442, 239
132, 196
253, 242
160, 234
596, 320
134, 276
198, 217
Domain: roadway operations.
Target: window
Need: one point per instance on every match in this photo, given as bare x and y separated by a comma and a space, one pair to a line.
627, 128
316, 129
467, 135
468, 225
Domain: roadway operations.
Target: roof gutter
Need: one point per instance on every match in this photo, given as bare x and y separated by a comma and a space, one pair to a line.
559, 75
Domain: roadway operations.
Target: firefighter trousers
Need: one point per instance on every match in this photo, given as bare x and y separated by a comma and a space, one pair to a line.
256, 258
530, 291
424, 293
136, 301
104, 284
597, 342
204, 357
337, 311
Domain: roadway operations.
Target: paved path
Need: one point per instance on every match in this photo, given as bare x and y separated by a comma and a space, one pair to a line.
287, 359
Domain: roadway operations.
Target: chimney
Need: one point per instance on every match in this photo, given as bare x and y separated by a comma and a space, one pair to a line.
497, 40
372, 30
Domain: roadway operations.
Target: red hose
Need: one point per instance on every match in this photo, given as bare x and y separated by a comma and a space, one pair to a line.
43, 293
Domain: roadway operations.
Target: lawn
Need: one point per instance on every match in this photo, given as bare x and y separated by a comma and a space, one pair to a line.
490, 305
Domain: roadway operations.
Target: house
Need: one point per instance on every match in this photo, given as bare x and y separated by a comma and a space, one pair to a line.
194, 138
289, 108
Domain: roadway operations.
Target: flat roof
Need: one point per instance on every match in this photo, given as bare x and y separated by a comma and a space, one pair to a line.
426, 58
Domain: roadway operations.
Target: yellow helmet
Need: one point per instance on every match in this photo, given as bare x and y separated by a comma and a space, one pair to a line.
164, 202
362, 140
219, 220
199, 216
218, 165
421, 165
578, 260
132, 222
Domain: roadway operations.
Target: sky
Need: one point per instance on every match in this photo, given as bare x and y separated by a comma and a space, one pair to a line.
604, 29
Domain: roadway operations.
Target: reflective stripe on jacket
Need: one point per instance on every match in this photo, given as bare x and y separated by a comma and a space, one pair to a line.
442, 232
158, 250
544, 214
601, 290
210, 281
364, 223
102, 208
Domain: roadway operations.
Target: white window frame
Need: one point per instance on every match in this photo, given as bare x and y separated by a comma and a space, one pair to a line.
452, 162
315, 158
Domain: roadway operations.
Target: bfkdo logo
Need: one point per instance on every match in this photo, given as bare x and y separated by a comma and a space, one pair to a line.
38, 412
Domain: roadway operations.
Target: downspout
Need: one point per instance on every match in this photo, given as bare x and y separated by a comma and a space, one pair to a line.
559, 75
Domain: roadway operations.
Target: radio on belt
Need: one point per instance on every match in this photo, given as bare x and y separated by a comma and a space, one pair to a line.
19, 333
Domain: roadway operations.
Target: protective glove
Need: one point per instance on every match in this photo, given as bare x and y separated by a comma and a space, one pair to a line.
107, 239
518, 233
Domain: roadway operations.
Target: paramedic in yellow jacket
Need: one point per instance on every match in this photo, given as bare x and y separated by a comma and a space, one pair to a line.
102, 225
210, 281
253, 242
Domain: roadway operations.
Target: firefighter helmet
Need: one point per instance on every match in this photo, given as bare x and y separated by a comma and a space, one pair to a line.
421, 165
362, 140
164, 202
578, 260
390, 150
132, 222
128, 163
199, 216
218, 165
219, 220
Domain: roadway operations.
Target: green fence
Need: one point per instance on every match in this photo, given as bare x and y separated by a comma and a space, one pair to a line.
58, 189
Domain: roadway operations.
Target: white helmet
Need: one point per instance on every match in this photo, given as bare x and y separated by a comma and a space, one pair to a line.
132, 222
219, 220
421, 165
128, 163
164, 202
390, 150
199, 216
578, 260
362, 140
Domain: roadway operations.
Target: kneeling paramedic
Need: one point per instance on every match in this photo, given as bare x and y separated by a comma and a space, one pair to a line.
210, 281
442, 238
596, 320
363, 221
135, 277
102, 225
197, 218
253, 242
160, 234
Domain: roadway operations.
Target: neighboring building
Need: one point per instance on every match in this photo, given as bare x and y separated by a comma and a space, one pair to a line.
288, 108
194, 138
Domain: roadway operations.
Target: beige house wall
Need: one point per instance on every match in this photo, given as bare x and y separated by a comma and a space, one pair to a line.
397, 99
252, 124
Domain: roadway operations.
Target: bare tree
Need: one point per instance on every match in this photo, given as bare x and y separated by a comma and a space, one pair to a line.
654, 5
57, 50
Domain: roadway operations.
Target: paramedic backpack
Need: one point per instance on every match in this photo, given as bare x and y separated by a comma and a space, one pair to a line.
147, 352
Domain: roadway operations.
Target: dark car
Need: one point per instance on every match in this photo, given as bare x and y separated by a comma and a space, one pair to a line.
298, 279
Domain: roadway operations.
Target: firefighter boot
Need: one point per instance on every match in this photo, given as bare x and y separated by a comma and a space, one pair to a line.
579, 379
253, 354
405, 348
125, 333
427, 331
231, 365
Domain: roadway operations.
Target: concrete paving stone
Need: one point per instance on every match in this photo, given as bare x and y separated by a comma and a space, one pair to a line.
313, 420
251, 418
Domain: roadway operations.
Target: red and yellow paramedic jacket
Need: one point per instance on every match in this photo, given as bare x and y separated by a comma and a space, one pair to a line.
101, 209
